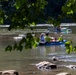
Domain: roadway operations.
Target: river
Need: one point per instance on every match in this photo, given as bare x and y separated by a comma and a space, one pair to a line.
24, 62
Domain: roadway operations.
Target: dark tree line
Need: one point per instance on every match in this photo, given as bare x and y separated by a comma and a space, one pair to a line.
52, 10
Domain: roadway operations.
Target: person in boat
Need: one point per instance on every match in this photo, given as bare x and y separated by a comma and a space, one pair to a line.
58, 29
60, 38
42, 38
47, 37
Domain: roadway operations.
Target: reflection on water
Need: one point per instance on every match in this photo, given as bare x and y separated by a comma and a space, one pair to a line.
42, 51
24, 61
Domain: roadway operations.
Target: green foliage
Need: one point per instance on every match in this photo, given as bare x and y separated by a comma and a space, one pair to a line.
69, 47
8, 48
1, 20
70, 5
27, 13
55, 22
27, 42
70, 12
69, 9
74, 49
1, 16
19, 3
22, 12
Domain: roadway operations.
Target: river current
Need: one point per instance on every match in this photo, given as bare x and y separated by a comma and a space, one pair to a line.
24, 62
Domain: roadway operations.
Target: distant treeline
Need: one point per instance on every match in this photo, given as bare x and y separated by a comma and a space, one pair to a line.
52, 9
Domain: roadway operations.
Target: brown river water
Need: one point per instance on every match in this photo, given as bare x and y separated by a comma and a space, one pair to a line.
24, 62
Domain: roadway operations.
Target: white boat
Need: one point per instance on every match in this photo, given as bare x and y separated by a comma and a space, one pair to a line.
66, 30
19, 37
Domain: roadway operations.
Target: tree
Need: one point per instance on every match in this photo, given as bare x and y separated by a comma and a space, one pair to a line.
38, 11
69, 11
22, 13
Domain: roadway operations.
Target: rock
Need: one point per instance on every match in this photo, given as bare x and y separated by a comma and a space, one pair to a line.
9, 72
46, 65
71, 67
54, 59
64, 73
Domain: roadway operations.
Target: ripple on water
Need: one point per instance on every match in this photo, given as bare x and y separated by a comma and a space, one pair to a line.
63, 57
69, 60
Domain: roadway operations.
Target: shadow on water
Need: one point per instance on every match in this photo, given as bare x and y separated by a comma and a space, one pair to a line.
24, 62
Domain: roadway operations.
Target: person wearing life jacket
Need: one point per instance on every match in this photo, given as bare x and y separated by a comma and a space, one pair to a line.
60, 38
47, 37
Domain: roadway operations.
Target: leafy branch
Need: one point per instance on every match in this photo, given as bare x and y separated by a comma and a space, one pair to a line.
25, 43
